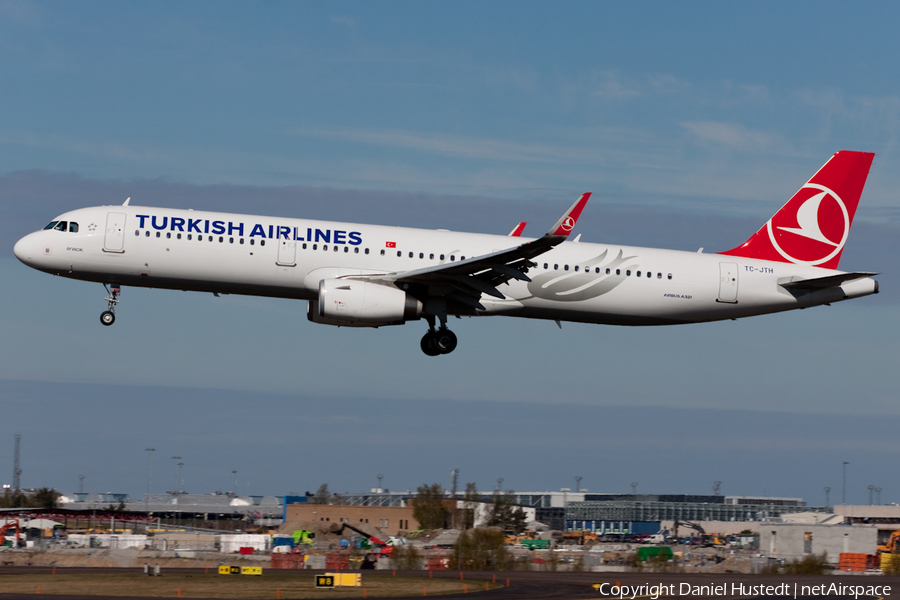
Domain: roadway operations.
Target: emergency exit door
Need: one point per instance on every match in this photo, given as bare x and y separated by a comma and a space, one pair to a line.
114, 239
728, 282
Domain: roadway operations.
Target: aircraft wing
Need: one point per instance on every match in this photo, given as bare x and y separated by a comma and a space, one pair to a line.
464, 281
819, 283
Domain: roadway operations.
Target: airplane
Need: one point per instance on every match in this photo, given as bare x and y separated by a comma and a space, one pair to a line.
356, 275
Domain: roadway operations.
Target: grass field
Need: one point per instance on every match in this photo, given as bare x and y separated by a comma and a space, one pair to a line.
271, 584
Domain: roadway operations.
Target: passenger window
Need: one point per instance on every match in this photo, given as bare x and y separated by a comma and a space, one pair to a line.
638, 274
262, 242
324, 247
431, 256
442, 257
336, 248
670, 276
545, 266
51, 225
315, 246
576, 268
252, 241
136, 232
659, 275
356, 250
178, 235
189, 237
241, 241
421, 255
303, 246
382, 252
556, 267
462, 258
210, 238
649, 274
230, 240
410, 254
565, 267
146, 234
158, 234
399, 254
73, 227
168, 235
452, 257
61, 226
367, 250
346, 249
618, 271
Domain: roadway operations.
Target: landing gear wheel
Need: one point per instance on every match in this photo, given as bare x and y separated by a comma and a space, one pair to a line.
107, 317
442, 341
445, 340
429, 345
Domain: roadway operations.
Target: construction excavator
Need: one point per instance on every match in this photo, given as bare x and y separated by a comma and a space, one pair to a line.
9, 525
380, 548
892, 546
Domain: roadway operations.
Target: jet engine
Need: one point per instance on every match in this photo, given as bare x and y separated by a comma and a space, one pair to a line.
355, 303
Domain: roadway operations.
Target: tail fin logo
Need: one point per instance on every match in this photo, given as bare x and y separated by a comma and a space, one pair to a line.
568, 224
813, 228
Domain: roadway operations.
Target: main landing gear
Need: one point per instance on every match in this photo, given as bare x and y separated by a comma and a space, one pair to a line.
108, 316
441, 341
438, 341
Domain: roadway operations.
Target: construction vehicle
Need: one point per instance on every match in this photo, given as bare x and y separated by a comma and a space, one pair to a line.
579, 538
383, 548
303, 536
512, 539
892, 546
9, 525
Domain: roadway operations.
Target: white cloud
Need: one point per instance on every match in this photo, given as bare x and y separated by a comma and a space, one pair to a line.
736, 137
439, 143
611, 88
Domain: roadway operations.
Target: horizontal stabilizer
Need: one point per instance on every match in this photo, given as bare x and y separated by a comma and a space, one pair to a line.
820, 283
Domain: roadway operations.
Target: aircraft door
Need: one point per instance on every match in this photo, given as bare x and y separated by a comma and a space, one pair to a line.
287, 253
728, 282
114, 239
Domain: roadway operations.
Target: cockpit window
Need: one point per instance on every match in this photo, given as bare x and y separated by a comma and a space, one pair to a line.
51, 225
73, 227
61, 226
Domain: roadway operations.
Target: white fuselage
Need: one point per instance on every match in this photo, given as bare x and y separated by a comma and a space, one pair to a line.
287, 258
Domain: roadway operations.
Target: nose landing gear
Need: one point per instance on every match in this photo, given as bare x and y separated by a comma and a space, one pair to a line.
108, 316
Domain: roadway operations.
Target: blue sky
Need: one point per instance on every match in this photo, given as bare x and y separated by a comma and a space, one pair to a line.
690, 123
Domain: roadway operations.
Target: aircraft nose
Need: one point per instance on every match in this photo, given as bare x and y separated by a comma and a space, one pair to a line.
24, 249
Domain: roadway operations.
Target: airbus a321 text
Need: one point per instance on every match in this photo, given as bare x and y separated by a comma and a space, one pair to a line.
356, 275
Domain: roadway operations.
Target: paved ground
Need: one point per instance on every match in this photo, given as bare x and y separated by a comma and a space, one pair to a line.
566, 585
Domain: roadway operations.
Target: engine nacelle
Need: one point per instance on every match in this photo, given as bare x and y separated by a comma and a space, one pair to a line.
355, 303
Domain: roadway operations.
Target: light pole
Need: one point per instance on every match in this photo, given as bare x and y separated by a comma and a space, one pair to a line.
877, 495
634, 485
499, 484
844, 484
577, 483
233, 481
827, 492
149, 452
871, 489
175, 484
